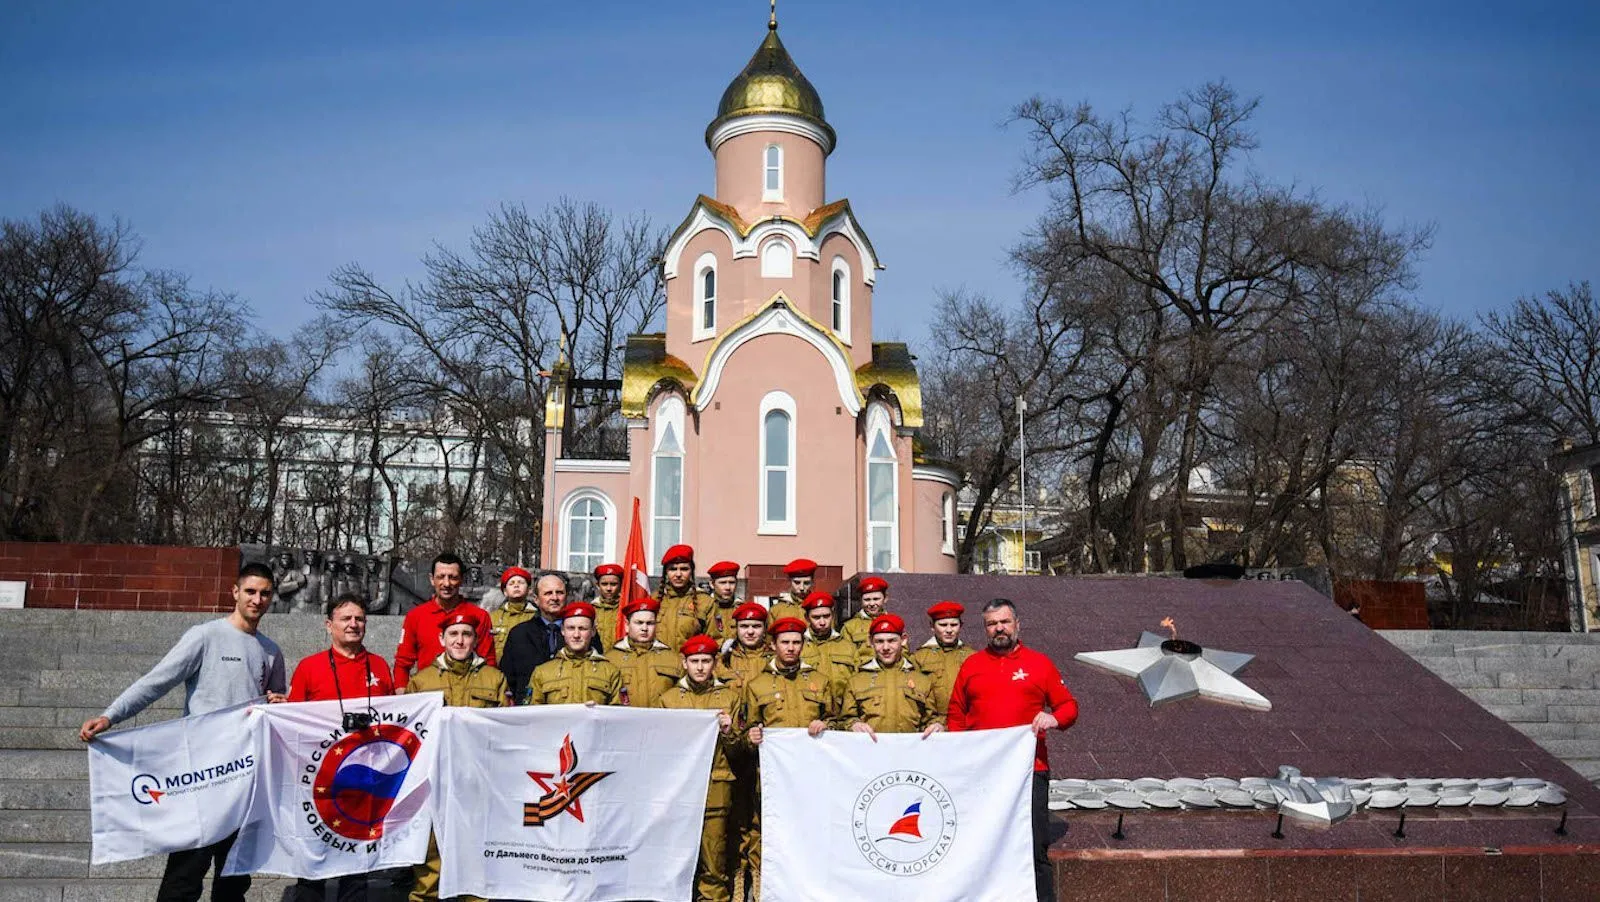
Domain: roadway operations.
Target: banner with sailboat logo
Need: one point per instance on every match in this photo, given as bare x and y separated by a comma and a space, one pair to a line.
561, 802
328, 801
942, 818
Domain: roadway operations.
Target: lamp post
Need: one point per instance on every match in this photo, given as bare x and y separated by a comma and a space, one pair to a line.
1022, 478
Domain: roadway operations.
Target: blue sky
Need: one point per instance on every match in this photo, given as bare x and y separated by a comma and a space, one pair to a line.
258, 146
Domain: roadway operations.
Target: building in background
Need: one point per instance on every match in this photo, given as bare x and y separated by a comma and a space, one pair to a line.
1579, 470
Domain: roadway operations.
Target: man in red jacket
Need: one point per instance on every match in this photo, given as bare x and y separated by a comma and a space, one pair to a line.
1008, 685
419, 633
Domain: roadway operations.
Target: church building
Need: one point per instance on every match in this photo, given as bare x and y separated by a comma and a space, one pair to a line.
764, 424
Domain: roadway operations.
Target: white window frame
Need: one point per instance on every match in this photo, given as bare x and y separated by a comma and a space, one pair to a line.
841, 298
770, 167
947, 522
879, 423
706, 262
669, 415
608, 551
782, 402
773, 266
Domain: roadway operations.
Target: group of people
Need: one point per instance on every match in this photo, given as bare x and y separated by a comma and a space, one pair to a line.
788, 663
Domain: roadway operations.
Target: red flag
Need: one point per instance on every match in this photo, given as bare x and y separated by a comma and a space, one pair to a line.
635, 571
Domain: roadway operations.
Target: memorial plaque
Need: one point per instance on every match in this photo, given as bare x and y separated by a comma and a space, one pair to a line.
12, 593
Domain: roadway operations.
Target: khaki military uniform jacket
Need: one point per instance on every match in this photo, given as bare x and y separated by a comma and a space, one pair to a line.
719, 620
834, 656
858, 630
784, 605
899, 699
646, 673
682, 614
942, 664
504, 619
717, 696
572, 679
738, 664
465, 684
605, 622
778, 698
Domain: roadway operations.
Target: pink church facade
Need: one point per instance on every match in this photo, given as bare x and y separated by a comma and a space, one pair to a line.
764, 424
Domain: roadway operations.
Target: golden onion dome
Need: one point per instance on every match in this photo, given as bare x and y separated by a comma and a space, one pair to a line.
771, 83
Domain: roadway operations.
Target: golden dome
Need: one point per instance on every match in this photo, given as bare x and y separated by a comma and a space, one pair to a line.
771, 83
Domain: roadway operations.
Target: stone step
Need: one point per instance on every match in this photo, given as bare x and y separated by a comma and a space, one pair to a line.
38, 826
82, 698
262, 889
44, 795
1560, 730
64, 738
1572, 749
44, 764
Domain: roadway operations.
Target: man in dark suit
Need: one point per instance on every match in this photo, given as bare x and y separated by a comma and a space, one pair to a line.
537, 639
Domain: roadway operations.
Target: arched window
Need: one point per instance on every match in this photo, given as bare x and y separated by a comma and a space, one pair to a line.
705, 297
772, 174
947, 522
666, 479
777, 472
588, 530
841, 298
883, 507
777, 259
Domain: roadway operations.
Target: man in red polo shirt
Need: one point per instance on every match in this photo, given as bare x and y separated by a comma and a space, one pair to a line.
345, 670
419, 634
1008, 685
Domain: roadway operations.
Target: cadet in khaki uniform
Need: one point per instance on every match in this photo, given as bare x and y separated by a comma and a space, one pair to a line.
858, 629
514, 583
577, 674
889, 694
466, 681
683, 605
724, 584
801, 571
701, 690
826, 648
749, 651
942, 655
787, 693
607, 598
648, 667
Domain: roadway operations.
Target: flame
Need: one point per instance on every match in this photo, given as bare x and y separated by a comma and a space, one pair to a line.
569, 756
1172, 626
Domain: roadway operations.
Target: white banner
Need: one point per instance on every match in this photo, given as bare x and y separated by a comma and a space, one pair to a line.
328, 803
943, 818
170, 786
561, 802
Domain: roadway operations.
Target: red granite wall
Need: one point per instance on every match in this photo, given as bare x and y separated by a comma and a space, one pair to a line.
1385, 604
122, 577
768, 579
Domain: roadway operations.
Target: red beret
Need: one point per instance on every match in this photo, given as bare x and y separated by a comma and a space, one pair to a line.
698, 645
800, 567
872, 584
457, 619
607, 570
817, 600
888, 623
678, 554
505, 575
946, 609
641, 604
788, 625
750, 610
578, 609
723, 568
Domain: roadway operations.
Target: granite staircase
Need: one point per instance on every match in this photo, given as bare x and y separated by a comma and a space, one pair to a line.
60, 668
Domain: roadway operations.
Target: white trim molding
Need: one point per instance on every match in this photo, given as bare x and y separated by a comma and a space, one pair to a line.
749, 245
934, 473
576, 465
771, 122
779, 318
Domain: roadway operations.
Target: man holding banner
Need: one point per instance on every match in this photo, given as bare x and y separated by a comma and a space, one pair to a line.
578, 673
889, 694
699, 689
222, 664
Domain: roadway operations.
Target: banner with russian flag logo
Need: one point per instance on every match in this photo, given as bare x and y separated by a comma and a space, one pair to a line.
942, 818
327, 801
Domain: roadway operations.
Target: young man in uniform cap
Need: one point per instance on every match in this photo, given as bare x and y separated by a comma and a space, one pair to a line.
874, 601
419, 632
468, 681
750, 648
889, 694
699, 689
801, 571
942, 655
724, 584
1008, 685
648, 667
826, 648
683, 605
578, 674
607, 600
517, 608
744, 656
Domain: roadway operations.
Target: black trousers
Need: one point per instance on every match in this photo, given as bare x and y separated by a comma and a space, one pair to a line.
185, 875
1044, 878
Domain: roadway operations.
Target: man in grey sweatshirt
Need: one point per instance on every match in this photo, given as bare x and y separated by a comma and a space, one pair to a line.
221, 663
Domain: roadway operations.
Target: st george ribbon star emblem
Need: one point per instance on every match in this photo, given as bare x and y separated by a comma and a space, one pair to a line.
1169, 675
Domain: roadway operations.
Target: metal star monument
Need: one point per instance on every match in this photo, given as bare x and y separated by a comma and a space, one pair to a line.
1170, 670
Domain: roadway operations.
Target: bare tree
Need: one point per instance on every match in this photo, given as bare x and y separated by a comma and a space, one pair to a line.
1550, 350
